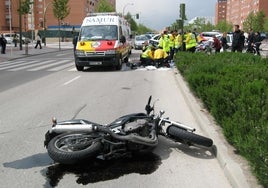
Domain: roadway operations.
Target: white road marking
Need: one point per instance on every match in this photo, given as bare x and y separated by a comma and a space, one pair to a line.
72, 70
72, 80
60, 67
14, 64
31, 64
48, 65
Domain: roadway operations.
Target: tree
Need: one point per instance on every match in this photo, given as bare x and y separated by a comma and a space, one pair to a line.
201, 24
224, 26
60, 10
132, 22
260, 20
265, 25
104, 6
24, 9
143, 29
255, 21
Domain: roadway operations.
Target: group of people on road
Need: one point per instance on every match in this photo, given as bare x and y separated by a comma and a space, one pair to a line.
15, 40
169, 44
172, 42
253, 40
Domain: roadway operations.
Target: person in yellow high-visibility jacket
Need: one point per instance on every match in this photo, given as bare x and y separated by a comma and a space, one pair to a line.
164, 41
172, 38
147, 57
190, 42
161, 57
178, 42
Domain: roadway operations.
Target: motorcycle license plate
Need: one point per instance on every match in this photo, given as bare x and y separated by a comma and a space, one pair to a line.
95, 63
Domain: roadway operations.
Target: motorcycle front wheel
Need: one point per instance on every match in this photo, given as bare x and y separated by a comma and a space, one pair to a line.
185, 136
71, 148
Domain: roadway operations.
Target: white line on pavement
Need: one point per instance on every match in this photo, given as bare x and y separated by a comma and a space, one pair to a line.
70, 81
48, 65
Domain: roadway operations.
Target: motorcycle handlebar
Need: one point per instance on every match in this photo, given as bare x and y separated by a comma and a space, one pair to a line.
149, 101
148, 107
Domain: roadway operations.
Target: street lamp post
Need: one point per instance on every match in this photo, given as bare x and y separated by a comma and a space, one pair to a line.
20, 24
44, 19
125, 7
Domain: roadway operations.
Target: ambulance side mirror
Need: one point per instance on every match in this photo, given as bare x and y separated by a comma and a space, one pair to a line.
123, 39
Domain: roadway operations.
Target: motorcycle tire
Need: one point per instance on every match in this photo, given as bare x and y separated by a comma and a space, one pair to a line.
185, 136
69, 148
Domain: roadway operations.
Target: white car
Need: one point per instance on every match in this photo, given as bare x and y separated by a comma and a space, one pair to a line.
139, 40
207, 35
155, 40
9, 37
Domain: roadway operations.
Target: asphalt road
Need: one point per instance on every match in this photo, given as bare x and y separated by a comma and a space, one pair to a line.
30, 96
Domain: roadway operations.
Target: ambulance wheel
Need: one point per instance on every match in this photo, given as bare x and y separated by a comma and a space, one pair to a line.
119, 64
79, 68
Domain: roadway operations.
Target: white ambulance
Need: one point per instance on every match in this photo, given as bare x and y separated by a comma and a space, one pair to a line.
104, 40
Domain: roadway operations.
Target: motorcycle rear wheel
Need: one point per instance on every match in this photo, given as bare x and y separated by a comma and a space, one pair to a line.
71, 148
185, 136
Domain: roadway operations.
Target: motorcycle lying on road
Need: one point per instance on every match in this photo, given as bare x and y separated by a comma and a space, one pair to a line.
76, 140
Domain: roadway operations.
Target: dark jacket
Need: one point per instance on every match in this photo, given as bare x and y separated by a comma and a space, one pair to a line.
3, 41
238, 39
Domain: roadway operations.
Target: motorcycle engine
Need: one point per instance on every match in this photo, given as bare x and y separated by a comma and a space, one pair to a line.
139, 126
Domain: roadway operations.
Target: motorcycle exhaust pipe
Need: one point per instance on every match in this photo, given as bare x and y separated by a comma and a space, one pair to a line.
152, 140
72, 127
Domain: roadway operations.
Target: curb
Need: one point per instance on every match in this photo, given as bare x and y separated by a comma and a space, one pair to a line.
236, 169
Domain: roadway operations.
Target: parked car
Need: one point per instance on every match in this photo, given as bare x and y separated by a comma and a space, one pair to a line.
139, 40
207, 35
9, 37
155, 40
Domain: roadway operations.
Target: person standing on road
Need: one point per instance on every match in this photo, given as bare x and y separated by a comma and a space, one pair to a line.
38, 41
172, 38
257, 41
224, 42
237, 43
3, 43
190, 42
216, 44
75, 38
15, 39
250, 40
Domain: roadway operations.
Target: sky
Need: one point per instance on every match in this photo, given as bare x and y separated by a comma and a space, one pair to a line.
158, 14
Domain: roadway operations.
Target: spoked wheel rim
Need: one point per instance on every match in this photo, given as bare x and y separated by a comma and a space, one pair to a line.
74, 142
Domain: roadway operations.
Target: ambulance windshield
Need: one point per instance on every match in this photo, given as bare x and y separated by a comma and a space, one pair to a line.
99, 32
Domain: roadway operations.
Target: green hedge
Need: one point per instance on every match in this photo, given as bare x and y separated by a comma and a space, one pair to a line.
234, 88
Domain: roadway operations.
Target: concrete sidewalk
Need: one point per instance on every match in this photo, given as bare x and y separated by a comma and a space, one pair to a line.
15, 52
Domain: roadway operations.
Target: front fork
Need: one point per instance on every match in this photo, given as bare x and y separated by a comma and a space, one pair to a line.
163, 121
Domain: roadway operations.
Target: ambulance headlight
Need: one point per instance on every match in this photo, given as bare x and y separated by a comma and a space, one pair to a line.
80, 52
110, 52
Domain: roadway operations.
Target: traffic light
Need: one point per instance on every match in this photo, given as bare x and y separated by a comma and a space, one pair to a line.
137, 16
182, 11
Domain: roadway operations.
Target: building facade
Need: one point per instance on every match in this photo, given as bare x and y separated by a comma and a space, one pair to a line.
238, 10
221, 11
41, 15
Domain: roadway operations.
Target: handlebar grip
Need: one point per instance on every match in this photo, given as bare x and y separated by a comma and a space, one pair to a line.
149, 101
